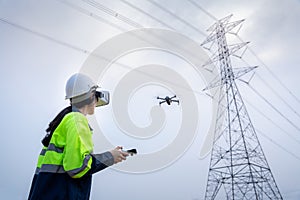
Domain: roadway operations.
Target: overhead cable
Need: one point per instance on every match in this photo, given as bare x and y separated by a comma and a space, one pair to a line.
177, 17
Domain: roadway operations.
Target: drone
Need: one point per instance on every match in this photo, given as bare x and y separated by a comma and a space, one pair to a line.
168, 100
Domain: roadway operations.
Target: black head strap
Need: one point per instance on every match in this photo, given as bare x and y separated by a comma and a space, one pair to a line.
54, 124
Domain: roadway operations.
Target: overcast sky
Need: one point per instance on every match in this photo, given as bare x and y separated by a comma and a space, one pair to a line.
45, 42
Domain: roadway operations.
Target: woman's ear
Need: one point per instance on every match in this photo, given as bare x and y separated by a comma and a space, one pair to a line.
93, 97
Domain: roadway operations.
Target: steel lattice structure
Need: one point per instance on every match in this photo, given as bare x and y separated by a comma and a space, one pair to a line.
238, 167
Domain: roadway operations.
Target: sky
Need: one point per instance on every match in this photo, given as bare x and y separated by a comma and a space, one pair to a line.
147, 49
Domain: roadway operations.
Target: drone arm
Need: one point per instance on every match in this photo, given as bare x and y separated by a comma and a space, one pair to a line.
161, 102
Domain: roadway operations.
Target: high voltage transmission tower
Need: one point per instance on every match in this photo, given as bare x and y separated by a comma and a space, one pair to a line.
238, 167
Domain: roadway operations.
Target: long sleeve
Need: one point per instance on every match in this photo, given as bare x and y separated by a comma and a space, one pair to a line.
101, 161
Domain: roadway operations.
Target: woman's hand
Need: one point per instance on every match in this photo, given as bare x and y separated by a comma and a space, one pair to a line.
118, 154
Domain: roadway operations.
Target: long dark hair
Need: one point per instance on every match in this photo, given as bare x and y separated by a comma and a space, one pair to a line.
53, 125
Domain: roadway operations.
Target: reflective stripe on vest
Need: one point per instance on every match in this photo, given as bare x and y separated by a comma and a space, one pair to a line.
51, 168
52, 147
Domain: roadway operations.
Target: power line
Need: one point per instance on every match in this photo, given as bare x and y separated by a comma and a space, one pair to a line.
264, 135
91, 14
274, 91
109, 11
283, 85
274, 123
199, 7
134, 24
202, 9
279, 96
102, 8
147, 14
273, 107
278, 145
84, 11
178, 18
232, 152
252, 52
272, 73
113, 13
44, 36
206, 12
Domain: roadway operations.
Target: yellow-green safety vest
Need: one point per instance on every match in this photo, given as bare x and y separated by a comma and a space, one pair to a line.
69, 149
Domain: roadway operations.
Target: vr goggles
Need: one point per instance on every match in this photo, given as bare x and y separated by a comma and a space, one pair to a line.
102, 98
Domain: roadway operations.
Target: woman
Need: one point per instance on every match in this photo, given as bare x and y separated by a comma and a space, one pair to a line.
66, 162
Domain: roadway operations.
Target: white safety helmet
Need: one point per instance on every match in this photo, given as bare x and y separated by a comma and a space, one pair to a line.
79, 88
